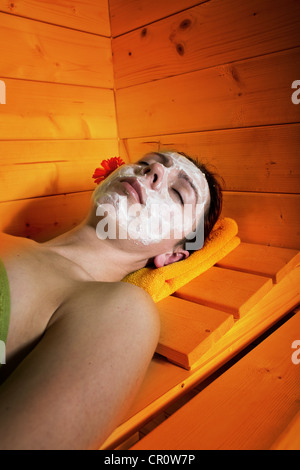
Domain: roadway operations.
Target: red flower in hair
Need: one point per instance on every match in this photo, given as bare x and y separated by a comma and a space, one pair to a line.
108, 166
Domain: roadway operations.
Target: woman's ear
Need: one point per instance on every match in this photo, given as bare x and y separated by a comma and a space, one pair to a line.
169, 258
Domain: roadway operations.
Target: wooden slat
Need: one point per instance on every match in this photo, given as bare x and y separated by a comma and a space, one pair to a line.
188, 330
241, 94
18, 152
262, 159
51, 167
39, 51
35, 110
236, 411
263, 260
86, 15
213, 33
26, 181
165, 382
290, 437
46, 217
268, 219
130, 14
229, 291
129, 442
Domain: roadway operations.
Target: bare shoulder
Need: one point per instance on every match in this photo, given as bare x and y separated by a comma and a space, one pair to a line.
102, 297
133, 291
129, 297
132, 295
95, 293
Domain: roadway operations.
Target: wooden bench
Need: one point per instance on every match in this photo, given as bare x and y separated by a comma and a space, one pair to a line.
208, 322
247, 407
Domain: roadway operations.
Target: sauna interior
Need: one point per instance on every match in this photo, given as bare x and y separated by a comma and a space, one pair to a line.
83, 81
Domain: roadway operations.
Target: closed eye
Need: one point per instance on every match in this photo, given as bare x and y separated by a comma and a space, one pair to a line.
179, 195
175, 190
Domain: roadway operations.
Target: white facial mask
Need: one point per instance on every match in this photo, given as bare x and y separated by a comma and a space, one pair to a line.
182, 163
161, 217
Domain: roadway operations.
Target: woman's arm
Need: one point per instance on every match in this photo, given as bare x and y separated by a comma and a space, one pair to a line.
76, 385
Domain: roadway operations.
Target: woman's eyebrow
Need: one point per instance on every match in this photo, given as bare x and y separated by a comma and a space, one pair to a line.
165, 159
184, 176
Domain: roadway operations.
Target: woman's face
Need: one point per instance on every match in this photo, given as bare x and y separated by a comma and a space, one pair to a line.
155, 202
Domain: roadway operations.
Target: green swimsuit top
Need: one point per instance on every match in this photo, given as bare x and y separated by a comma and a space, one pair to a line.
4, 302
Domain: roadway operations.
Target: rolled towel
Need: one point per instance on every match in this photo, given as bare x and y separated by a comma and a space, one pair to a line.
162, 282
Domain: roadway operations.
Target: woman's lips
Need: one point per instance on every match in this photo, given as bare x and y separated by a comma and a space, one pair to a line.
133, 187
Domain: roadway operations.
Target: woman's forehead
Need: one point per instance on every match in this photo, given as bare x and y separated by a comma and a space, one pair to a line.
170, 159
173, 160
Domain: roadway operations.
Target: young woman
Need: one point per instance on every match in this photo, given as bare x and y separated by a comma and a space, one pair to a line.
79, 340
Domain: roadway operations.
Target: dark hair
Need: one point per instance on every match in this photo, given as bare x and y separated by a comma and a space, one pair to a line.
216, 198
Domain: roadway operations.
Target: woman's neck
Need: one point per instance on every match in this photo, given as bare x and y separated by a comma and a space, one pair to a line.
101, 259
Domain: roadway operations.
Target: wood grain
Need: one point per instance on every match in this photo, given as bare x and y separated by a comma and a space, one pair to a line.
188, 330
247, 407
85, 15
212, 33
267, 219
289, 439
241, 94
36, 110
264, 159
267, 261
42, 52
226, 290
130, 14
31, 169
46, 217
21, 152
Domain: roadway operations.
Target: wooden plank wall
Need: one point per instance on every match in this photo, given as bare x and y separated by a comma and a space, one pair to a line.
59, 120
213, 79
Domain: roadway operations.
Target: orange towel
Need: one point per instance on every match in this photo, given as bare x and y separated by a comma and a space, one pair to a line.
162, 282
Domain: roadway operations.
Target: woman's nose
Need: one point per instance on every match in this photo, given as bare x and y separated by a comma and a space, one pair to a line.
154, 174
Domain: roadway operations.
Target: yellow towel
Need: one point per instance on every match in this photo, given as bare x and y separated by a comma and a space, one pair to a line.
162, 282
